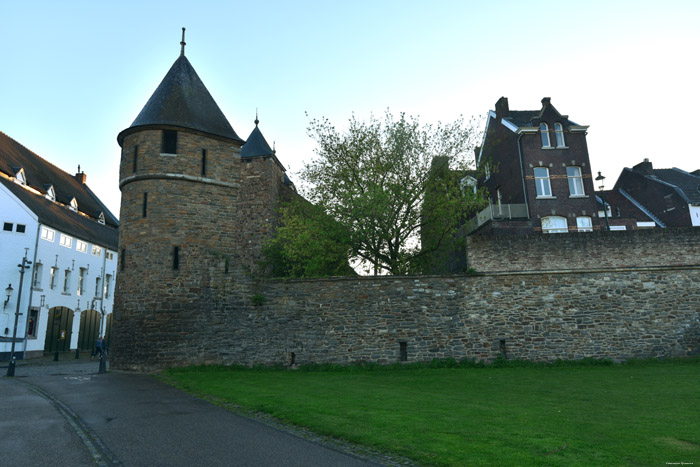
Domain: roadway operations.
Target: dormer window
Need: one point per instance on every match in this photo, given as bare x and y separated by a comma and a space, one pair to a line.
19, 176
544, 130
73, 205
50, 193
101, 218
559, 133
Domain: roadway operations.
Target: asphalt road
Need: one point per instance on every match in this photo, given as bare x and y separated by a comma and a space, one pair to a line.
70, 414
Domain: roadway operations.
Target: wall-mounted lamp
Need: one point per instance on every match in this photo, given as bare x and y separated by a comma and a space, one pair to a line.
77, 308
43, 301
8, 293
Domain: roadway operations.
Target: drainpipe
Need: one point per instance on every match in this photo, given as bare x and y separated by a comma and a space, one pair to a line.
522, 176
31, 292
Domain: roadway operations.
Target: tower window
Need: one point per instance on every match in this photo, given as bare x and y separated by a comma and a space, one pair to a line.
145, 204
176, 257
169, 142
136, 157
122, 257
204, 162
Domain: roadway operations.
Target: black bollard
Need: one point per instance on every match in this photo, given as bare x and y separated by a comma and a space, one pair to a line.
55, 357
77, 354
103, 363
11, 367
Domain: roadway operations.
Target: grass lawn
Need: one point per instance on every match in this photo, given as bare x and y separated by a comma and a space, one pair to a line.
645, 413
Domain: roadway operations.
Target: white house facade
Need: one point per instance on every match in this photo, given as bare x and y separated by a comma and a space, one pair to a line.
69, 239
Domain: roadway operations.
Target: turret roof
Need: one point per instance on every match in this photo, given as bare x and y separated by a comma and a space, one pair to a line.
182, 100
256, 145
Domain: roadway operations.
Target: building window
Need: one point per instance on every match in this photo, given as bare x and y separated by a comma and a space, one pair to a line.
575, 181
97, 287
38, 269
544, 130
204, 162
109, 255
51, 194
169, 142
544, 188
136, 157
20, 178
52, 279
108, 283
81, 281
101, 219
584, 224
21, 228
66, 281
7, 226
554, 224
145, 204
176, 257
81, 246
32, 322
73, 205
96, 250
559, 134
66, 241
47, 234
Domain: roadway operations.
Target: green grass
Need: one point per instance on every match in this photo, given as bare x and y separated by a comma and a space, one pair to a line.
591, 413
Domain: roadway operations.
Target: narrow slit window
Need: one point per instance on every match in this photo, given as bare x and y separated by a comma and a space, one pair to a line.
122, 257
403, 351
204, 162
176, 257
136, 157
145, 204
169, 142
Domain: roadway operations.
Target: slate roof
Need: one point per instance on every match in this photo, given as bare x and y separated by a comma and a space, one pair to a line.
41, 174
530, 118
182, 100
256, 145
622, 207
688, 185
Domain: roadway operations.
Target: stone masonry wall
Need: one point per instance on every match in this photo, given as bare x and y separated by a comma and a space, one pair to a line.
538, 252
652, 312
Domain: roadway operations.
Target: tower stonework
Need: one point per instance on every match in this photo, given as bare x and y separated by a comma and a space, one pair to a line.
192, 211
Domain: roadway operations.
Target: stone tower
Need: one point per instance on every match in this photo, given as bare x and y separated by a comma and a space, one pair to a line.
192, 210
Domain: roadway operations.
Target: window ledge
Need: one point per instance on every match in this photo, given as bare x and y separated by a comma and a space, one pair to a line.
38, 289
66, 293
167, 154
548, 147
562, 147
545, 197
578, 196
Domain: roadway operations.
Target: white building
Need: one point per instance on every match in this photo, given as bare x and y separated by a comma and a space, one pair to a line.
71, 238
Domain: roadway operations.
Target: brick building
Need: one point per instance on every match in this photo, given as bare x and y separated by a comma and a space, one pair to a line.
537, 173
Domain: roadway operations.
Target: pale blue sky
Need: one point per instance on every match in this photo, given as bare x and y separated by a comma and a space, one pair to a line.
75, 73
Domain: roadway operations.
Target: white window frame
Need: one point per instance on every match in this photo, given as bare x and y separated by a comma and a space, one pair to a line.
81, 246
96, 250
48, 234
108, 283
543, 185
559, 135
544, 130
81, 281
549, 227
52, 277
66, 241
584, 224
36, 279
66, 282
73, 205
98, 286
51, 194
20, 177
576, 189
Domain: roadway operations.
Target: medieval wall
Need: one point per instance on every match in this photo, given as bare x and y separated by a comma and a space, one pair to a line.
599, 249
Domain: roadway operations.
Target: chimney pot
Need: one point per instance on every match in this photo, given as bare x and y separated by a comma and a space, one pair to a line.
502, 109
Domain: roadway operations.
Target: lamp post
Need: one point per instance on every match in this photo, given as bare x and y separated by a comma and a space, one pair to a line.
25, 265
8, 292
600, 179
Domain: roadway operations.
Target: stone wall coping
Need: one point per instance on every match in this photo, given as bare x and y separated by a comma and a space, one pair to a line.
172, 176
538, 272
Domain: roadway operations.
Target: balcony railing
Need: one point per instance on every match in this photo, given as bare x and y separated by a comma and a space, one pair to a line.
496, 212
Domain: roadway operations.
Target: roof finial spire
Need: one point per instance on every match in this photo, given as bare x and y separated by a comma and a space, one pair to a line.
182, 43
256, 117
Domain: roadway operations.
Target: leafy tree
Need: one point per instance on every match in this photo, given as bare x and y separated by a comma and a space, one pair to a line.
308, 243
378, 185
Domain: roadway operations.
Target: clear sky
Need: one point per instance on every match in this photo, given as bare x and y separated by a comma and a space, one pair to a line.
73, 74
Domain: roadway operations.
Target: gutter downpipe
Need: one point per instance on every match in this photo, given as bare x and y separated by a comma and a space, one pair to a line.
522, 176
31, 293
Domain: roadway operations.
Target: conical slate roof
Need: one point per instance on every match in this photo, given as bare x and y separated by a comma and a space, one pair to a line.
182, 100
256, 145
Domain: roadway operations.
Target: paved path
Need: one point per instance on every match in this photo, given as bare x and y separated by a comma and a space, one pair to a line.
69, 414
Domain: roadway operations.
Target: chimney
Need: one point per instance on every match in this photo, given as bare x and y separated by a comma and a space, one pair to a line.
644, 168
545, 101
81, 177
502, 109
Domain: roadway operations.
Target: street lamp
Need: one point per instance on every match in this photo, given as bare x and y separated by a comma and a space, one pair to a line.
8, 292
600, 179
25, 265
